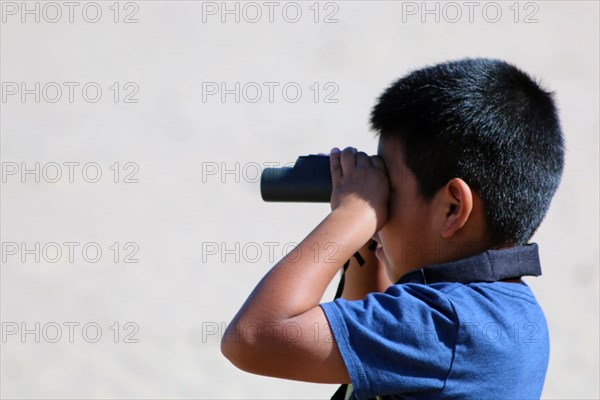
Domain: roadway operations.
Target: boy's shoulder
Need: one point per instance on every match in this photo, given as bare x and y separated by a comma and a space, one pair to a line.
455, 294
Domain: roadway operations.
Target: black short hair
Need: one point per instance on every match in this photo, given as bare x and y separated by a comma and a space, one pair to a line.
486, 122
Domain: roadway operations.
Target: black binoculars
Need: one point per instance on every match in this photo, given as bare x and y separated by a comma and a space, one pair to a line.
309, 180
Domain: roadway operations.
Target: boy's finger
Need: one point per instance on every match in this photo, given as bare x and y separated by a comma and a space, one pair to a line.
334, 165
347, 158
378, 162
362, 159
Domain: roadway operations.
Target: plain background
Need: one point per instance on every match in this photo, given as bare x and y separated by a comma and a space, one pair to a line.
182, 290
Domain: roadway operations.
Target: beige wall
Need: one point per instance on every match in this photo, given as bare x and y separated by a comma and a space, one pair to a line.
178, 213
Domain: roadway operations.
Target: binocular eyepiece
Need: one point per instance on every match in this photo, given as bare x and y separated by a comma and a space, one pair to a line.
309, 180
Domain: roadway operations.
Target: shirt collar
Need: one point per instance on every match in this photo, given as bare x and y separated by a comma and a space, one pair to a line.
489, 266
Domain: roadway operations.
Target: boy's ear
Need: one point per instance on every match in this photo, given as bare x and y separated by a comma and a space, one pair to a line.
457, 199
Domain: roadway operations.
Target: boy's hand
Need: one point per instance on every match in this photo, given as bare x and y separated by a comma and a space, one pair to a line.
360, 185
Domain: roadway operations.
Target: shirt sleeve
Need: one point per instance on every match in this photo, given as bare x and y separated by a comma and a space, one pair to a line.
399, 341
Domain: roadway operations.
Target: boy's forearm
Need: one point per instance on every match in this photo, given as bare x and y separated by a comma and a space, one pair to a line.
298, 282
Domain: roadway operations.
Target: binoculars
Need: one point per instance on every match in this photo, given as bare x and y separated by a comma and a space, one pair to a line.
309, 180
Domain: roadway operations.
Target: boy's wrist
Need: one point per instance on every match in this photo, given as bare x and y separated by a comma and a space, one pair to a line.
359, 224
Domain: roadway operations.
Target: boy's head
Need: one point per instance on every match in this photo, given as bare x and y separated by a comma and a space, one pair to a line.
484, 122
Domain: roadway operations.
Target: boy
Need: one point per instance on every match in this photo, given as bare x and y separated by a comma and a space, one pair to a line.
470, 154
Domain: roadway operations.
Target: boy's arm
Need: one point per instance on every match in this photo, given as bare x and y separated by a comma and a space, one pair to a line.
280, 330
360, 280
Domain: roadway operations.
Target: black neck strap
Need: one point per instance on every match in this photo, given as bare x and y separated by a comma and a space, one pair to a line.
489, 266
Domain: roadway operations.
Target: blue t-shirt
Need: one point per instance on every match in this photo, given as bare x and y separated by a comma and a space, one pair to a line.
443, 340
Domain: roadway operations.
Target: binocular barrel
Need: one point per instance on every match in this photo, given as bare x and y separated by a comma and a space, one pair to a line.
309, 180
